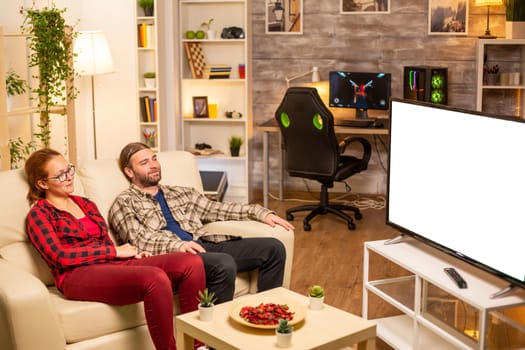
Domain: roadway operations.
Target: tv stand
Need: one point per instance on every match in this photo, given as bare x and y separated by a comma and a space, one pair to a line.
421, 290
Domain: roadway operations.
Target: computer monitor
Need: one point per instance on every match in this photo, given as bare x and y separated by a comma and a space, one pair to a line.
359, 90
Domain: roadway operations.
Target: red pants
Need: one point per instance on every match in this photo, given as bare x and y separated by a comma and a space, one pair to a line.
151, 280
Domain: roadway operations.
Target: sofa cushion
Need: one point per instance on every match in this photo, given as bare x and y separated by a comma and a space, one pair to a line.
76, 317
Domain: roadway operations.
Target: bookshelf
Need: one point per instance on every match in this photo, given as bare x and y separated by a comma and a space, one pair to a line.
229, 94
503, 95
148, 88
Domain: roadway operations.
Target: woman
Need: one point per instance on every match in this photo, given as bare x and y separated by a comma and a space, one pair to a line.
72, 237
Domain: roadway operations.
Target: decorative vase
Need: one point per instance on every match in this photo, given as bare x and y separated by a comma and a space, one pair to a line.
492, 79
284, 340
514, 30
149, 83
234, 152
206, 313
212, 34
316, 303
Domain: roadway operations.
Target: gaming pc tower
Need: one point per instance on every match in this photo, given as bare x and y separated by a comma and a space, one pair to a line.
425, 83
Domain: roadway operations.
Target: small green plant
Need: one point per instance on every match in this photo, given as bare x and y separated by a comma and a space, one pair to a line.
14, 84
150, 75
207, 25
235, 142
284, 327
206, 298
316, 291
145, 3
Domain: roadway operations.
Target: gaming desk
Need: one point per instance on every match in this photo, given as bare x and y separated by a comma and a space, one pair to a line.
271, 126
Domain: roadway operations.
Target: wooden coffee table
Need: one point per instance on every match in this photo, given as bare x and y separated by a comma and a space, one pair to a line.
329, 328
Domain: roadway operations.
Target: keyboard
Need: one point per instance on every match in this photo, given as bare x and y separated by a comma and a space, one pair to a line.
355, 123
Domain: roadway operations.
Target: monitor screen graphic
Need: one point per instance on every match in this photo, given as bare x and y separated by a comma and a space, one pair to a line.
359, 90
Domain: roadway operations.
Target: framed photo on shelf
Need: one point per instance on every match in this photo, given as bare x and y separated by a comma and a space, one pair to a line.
365, 6
447, 17
200, 107
284, 16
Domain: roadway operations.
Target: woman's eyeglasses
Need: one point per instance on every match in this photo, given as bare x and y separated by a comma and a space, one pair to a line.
69, 172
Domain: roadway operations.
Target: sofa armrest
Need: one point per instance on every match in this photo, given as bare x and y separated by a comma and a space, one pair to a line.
27, 318
258, 229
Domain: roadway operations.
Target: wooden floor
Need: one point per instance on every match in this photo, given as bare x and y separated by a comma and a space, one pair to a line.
332, 256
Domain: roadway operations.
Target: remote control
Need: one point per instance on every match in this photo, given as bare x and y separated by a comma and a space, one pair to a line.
456, 277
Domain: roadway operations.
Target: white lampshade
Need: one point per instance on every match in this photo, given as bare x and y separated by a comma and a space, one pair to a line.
92, 53
488, 2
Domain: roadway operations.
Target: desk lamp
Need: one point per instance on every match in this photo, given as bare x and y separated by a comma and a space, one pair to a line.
488, 3
315, 76
92, 58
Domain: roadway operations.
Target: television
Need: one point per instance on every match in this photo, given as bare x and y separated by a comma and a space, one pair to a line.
359, 90
456, 181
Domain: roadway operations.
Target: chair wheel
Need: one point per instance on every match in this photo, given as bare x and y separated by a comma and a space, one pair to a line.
289, 217
358, 216
351, 226
307, 227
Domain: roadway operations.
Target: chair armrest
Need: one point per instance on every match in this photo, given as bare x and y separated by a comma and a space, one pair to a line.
365, 145
27, 318
252, 228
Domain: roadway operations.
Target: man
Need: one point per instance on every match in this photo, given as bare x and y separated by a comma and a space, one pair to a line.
160, 219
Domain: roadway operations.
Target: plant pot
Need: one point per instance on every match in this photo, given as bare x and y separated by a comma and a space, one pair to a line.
514, 30
206, 313
149, 83
212, 34
284, 340
492, 79
316, 303
234, 152
148, 11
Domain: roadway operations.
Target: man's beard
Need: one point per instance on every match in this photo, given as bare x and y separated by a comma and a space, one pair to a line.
148, 180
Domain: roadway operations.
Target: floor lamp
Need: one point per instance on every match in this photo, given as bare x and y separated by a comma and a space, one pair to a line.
92, 57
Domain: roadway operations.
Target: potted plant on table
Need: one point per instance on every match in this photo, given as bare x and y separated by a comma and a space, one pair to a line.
147, 6
206, 300
235, 145
284, 334
316, 296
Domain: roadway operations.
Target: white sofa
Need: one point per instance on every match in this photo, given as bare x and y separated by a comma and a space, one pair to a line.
34, 315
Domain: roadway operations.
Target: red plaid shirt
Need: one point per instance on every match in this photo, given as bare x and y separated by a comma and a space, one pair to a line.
63, 241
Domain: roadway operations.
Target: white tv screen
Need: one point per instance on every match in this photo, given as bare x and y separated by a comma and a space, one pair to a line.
456, 179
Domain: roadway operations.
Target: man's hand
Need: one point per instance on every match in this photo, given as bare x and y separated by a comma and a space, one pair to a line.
272, 220
191, 247
126, 251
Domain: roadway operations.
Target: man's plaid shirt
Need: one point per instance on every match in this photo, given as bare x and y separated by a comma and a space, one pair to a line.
136, 217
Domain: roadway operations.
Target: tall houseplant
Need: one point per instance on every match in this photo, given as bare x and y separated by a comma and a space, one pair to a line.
51, 53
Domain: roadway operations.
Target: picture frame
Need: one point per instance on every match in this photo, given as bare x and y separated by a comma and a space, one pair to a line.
448, 17
365, 7
284, 17
200, 107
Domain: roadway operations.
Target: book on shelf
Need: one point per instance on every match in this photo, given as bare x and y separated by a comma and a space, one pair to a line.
217, 72
146, 35
148, 109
